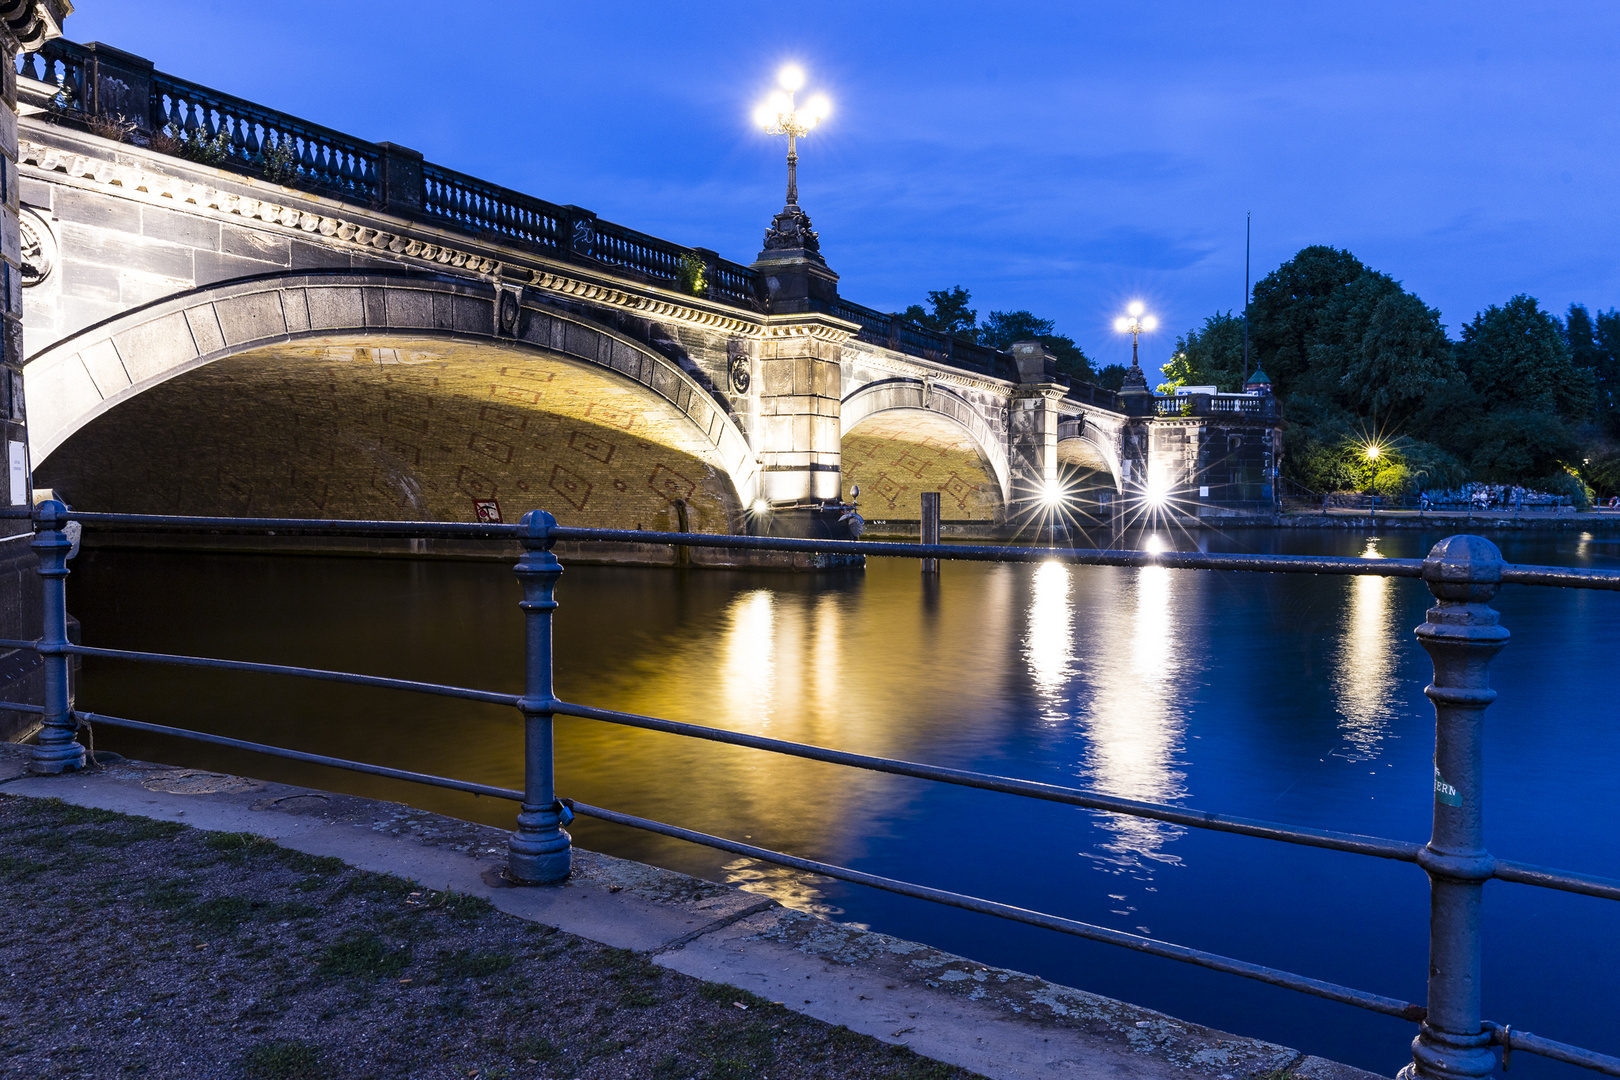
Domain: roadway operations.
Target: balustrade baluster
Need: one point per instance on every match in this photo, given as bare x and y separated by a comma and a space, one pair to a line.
73, 85
26, 68
306, 159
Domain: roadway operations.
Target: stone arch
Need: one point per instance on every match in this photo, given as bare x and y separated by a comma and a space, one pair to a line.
1084, 445
896, 394
84, 376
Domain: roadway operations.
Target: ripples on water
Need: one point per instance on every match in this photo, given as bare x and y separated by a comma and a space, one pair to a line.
1287, 697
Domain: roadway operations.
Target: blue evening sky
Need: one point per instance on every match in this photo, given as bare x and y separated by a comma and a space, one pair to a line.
1065, 158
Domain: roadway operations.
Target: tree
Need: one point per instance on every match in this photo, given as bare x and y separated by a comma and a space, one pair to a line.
950, 313
1112, 377
1287, 307
1002, 328
1211, 356
1594, 345
1403, 358
1518, 360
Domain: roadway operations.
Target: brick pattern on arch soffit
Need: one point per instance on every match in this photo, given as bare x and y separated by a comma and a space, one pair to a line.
897, 456
396, 428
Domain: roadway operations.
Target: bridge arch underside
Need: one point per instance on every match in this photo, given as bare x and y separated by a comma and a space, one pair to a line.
897, 454
1086, 467
398, 427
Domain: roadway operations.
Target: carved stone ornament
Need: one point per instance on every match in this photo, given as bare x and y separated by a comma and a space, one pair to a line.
508, 313
791, 229
38, 247
740, 378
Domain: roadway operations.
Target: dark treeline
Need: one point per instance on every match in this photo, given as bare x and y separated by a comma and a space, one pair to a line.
1522, 398
949, 313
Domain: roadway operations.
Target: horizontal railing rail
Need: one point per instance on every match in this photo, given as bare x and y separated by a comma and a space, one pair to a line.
1462, 572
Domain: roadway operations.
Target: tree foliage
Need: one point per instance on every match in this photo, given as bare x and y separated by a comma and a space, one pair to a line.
1517, 358
1355, 357
1211, 356
1002, 328
949, 312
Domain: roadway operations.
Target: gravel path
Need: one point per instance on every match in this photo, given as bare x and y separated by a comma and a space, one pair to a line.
135, 947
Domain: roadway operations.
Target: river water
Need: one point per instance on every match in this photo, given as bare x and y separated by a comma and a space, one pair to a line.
1297, 699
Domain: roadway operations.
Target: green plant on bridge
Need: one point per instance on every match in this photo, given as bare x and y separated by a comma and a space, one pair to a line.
693, 275
280, 162
193, 145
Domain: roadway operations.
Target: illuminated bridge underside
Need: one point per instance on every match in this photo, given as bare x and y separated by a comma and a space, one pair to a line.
398, 428
895, 456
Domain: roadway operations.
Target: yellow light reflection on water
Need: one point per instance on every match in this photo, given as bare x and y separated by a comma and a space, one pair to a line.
1049, 644
1364, 664
1135, 726
748, 660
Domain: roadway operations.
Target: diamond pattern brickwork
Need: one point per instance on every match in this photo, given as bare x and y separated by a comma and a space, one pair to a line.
397, 429
896, 456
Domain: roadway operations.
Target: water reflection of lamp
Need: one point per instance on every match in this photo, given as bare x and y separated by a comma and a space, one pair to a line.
1133, 724
1364, 668
1049, 644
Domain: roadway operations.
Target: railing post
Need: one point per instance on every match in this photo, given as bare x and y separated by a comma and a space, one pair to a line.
399, 178
58, 749
1462, 634
930, 528
539, 852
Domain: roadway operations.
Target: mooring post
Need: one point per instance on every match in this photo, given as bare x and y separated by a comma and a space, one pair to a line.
539, 852
57, 749
1461, 635
930, 528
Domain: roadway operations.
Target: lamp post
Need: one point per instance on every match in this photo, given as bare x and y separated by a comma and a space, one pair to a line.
780, 116
1135, 323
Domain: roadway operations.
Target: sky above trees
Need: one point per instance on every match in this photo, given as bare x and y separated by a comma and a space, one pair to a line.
1058, 158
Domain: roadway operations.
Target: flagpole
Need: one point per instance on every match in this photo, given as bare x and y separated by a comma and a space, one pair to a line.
1247, 232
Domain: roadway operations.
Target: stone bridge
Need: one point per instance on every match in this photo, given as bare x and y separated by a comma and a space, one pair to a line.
228, 310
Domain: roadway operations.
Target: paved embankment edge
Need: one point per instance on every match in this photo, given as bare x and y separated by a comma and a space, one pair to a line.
1003, 1024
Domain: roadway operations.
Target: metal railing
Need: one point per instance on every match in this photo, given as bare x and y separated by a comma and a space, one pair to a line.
1215, 405
1462, 634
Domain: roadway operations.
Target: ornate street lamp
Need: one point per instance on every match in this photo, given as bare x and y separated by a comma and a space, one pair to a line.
790, 230
779, 116
1135, 323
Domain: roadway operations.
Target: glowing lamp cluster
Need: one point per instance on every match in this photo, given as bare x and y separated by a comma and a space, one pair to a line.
1135, 321
779, 115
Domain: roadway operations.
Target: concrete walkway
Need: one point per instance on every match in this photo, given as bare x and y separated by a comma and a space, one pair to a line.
1003, 1024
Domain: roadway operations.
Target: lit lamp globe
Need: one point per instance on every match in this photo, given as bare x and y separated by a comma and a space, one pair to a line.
779, 115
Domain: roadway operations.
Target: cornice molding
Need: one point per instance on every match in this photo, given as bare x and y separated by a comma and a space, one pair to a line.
158, 189
899, 364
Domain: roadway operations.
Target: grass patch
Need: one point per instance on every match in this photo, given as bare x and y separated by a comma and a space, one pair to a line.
472, 964
237, 848
68, 814
285, 1059
362, 956
19, 868
543, 1050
